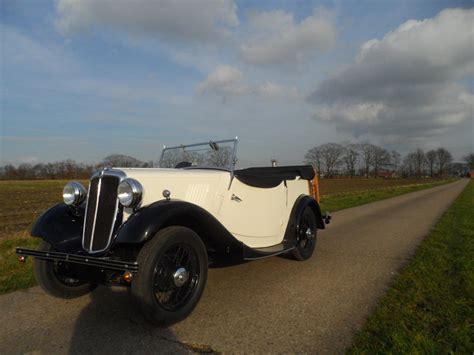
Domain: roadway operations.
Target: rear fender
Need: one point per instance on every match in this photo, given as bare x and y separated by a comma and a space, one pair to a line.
61, 226
293, 223
308, 201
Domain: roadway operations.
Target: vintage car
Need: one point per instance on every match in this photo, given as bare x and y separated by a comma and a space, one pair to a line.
156, 230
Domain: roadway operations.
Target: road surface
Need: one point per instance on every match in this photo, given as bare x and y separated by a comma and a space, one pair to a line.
271, 305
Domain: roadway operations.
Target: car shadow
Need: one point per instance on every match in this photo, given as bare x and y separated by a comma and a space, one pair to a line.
220, 264
110, 323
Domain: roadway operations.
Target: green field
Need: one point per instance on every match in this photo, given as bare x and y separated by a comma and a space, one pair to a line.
351, 198
21, 202
430, 307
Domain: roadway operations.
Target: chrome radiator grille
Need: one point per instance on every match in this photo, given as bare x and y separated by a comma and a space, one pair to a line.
101, 212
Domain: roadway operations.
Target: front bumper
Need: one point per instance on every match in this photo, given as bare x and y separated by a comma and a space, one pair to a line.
98, 262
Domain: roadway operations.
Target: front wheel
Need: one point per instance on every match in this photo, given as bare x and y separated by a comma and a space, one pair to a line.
305, 236
53, 279
172, 276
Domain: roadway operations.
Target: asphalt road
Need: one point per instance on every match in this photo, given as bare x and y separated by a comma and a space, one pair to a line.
271, 305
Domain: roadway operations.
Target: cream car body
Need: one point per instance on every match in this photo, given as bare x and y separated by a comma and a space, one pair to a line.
258, 217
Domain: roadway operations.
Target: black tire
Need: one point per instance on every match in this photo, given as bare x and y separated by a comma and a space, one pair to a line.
48, 275
156, 288
306, 236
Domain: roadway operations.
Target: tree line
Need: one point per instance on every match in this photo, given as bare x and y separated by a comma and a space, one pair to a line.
67, 169
370, 160
329, 160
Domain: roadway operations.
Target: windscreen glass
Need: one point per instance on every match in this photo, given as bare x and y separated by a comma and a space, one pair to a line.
207, 155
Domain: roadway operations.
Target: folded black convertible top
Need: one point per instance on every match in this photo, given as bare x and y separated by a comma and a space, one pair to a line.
267, 177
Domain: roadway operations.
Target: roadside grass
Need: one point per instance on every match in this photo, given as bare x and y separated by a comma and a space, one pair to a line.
21, 202
341, 201
14, 276
429, 308
335, 186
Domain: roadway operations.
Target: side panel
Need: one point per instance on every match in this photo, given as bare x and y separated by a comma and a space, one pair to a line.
260, 219
254, 215
61, 227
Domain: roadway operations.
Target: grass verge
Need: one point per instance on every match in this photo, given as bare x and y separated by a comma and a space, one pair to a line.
337, 202
14, 276
430, 306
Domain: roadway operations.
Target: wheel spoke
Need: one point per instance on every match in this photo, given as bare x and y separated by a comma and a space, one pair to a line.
168, 293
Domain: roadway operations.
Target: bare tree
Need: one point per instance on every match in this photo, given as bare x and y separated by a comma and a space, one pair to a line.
326, 157
220, 158
367, 152
395, 160
444, 160
431, 159
171, 158
331, 154
409, 164
350, 158
469, 159
420, 161
120, 160
314, 157
380, 159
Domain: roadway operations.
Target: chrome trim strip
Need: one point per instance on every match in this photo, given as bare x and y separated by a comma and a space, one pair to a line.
95, 214
104, 172
85, 215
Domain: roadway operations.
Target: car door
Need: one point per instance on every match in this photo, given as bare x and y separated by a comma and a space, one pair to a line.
255, 215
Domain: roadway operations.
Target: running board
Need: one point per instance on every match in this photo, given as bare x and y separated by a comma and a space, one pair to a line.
260, 253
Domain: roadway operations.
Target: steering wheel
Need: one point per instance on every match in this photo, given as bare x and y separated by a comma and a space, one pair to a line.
183, 164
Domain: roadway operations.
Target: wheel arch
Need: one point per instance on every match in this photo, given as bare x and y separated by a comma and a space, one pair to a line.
300, 204
146, 222
308, 201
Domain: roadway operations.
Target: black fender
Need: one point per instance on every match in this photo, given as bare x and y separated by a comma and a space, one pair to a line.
61, 226
307, 201
294, 221
146, 222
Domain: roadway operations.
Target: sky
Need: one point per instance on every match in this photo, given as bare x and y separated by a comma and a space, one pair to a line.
82, 79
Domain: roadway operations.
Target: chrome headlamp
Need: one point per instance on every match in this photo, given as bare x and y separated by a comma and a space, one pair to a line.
74, 193
130, 192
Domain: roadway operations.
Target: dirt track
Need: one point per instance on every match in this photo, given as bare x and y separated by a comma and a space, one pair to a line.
272, 305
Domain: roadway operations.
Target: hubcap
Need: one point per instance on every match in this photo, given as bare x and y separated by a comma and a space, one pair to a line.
309, 233
180, 277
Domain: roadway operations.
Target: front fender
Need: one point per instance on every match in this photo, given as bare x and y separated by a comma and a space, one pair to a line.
147, 221
61, 226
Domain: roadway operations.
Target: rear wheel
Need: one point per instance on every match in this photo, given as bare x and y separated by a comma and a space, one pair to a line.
52, 278
172, 276
305, 235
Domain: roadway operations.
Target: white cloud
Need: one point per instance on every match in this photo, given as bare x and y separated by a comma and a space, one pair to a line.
272, 90
407, 84
224, 80
184, 20
228, 81
275, 37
